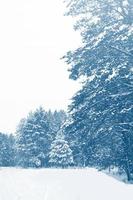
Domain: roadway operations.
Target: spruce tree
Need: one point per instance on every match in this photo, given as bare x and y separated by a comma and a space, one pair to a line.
33, 140
35, 135
60, 154
7, 152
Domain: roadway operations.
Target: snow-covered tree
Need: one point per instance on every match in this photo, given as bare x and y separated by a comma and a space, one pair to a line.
7, 152
56, 119
102, 111
60, 154
33, 140
35, 135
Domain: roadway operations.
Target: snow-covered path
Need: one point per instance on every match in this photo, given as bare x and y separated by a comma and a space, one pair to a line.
53, 184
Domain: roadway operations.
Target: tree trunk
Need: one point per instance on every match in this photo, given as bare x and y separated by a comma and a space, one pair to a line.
128, 173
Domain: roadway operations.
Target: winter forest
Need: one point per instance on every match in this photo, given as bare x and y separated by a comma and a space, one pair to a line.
97, 128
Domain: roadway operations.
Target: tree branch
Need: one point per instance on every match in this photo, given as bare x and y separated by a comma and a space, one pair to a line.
122, 51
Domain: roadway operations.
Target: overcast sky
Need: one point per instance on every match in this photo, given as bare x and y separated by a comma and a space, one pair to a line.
34, 34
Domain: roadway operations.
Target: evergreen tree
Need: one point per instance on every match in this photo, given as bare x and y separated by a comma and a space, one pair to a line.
7, 152
35, 135
33, 140
100, 130
60, 154
56, 119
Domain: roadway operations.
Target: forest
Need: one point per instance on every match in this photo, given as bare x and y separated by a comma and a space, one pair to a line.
97, 129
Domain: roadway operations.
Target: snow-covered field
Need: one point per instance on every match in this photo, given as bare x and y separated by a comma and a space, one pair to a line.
55, 184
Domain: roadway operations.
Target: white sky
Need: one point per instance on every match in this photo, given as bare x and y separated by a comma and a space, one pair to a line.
34, 34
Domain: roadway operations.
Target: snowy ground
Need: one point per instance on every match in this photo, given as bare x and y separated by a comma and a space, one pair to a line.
53, 184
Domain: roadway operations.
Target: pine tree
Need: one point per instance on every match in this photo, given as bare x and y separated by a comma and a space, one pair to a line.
102, 111
35, 135
7, 152
60, 154
33, 140
56, 119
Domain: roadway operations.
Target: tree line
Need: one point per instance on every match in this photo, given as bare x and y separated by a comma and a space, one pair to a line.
38, 142
98, 131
